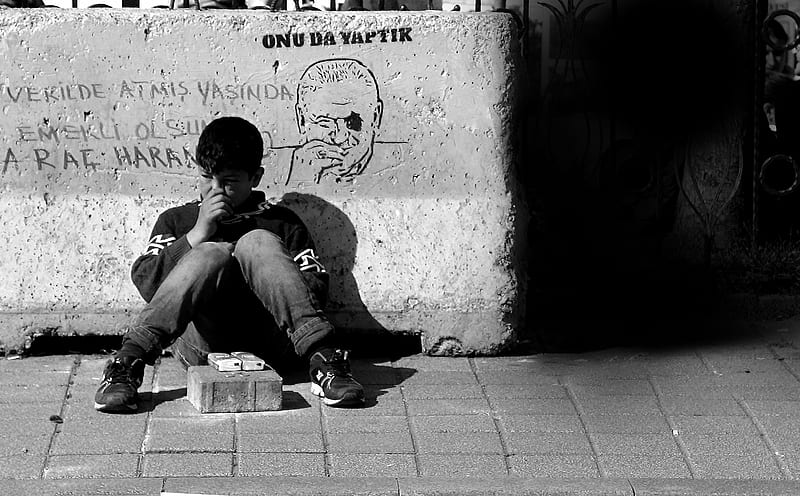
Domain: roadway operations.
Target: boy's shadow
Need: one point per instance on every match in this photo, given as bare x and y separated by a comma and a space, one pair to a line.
336, 242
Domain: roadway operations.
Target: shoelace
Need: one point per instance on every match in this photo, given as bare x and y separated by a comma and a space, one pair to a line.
339, 364
119, 373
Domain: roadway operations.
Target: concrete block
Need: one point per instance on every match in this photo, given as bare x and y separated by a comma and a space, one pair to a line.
108, 145
212, 391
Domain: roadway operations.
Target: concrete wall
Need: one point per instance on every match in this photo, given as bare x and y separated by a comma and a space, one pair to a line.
99, 116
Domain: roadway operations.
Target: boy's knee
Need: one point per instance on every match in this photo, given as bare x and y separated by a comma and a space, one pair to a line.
261, 240
213, 254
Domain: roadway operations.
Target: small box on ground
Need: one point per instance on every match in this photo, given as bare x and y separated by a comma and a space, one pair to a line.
224, 362
249, 360
213, 391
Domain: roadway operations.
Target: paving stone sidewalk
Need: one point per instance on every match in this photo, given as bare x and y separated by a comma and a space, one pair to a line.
725, 410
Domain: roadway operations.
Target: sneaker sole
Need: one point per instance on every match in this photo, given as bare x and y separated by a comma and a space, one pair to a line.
117, 408
316, 390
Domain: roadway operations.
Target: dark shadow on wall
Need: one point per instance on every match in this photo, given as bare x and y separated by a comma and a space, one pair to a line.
337, 242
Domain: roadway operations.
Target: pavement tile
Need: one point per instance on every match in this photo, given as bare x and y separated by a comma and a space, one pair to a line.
726, 364
685, 405
613, 387
768, 392
792, 463
453, 423
281, 464
83, 487
373, 465
91, 466
279, 422
781, 426
619, 405
187, 464
214, 433
676, 366
11, 414
513, 377
773, 407
177, 407
526, 363
282, 486
442, 392
87, 442
500, 392
22, 466
553, 466
562, 443
384, 375
378, 402
625, 423
604, 372
716, 466
424, 363
32, 393
441, 378
748, 380
448, 407
534, 406
369, 442
462, 466
22, 443
724, 444
661, 444
273, 442
168, 380
458, 443
634, 466
80, 407
45, 371
541, 423
714, 424
394, 423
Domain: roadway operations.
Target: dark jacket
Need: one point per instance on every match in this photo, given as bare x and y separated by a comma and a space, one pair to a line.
168, 242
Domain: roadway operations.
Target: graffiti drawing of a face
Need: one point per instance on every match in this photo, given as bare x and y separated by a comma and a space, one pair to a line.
338, 112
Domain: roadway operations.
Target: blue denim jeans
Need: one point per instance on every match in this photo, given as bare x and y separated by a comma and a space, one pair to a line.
223, 297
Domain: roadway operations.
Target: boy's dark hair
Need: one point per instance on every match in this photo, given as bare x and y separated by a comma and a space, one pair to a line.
230, 143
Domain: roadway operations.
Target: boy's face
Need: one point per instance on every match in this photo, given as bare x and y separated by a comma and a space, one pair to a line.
235, 184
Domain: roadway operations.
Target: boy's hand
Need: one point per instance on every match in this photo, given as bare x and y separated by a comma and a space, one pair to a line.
215, 206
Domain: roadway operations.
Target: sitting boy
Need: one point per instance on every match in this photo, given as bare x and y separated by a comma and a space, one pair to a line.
230, 272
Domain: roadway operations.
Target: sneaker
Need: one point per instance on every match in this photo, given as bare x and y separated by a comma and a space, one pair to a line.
331, 379
121, 378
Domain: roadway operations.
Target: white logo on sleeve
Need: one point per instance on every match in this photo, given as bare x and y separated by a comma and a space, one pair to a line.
308, 261
158, 243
